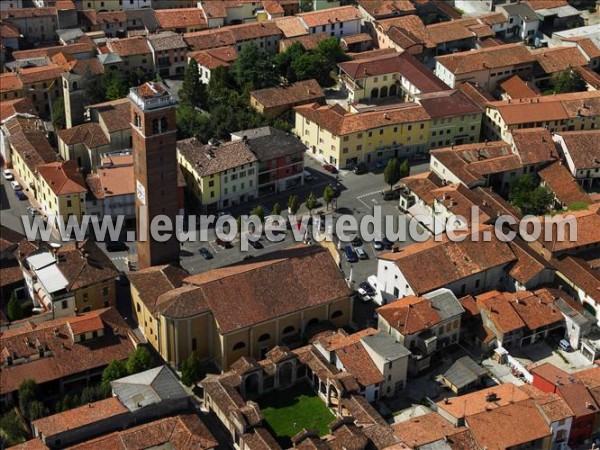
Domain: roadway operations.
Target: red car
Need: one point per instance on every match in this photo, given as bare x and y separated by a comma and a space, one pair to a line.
329, 168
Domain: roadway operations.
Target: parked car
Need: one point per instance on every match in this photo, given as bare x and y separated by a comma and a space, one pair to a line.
206, 254
360, 168
377, 245
357, 241
307, 175
387, 244
361, 253
367, 287
256, 245
364, 295
391, 195
116, 247
351, 255
32, 210
565, 345
223, 244
330, 168
7, 175
20, 195
15, 185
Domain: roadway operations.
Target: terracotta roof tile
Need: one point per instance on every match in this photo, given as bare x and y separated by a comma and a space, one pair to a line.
330, 15
215, 57
588, 229
184, 431
422, 185
490, 58
181, 18
208, 159
534, 146
448, 103
49, 52
293, 94
79, 417
167, 40
382, 8
291, 26
30, 75
410, 315
114, 178
552, 107
552, 405
558, 179
515, 87
33, 147
91, 134
243, 294
66, 357
309, 41
115, 114
558, 59
26, 13
425, 429
448, 261
64, 178
132, 46
356, 360
18, 106
10, 82
150, 283
583, 147
504, 427
528, 265
338, 121
546, 4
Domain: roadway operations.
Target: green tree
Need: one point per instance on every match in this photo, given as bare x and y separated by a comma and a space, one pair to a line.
255, 67
530, 198
11, 430
193, 91
569, 81
331, 49
139, 360
277, 209
311, 203
293, 204
14, 309
404, 169
328, 195
191, 370
58, 114
37, 410
391, 173
115, 370
313, 65
114, 84
259, 212
28, 391
283, 61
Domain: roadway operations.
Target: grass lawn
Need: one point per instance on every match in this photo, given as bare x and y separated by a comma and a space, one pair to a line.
288, 412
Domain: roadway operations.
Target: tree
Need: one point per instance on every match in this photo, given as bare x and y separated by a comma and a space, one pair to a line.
530, 198
330, 48
37, 410
311, 203
58, 114
328, 195
93, 87
277, 209
191, 370
293, 204
14, 309
115, 370
569, 81
114, 84
193, 91
313, 65
391, 173
259, 212
255, 67
283, 61
404, 169
28, 391
139, 360
11, 430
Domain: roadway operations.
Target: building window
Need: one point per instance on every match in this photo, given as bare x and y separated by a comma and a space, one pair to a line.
264, 337
337, 314
137, 306
239, 346
105, 292
194, 344
64, 304
288, 329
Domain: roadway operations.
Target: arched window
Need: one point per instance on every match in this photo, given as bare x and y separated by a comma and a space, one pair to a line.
155, 129
337, 314
163, 124
312, 322
393, 90
239, 346
264, 337
374, 93
384, 92
74, 85
288, 329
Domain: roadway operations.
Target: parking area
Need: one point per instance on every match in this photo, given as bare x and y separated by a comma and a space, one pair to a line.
541, 353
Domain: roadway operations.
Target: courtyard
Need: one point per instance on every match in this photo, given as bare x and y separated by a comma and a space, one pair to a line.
288, 412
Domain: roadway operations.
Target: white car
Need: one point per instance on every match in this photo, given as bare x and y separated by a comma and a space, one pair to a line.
15, 185
7, 175
307, 175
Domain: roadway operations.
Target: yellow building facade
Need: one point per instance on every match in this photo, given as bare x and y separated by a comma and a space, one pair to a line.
61, 190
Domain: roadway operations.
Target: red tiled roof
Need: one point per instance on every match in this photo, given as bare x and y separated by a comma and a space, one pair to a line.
66, 357
410, 315
64, 178
137, 45
382, 8
215, 57
558, 179
293, 94
330, 15
515, 87
10, 108
558, 59
425, 429
357, 361
79, 417
181, 18
487, 58
582, 147
26, 13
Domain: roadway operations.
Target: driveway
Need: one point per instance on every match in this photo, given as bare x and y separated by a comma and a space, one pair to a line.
541, 353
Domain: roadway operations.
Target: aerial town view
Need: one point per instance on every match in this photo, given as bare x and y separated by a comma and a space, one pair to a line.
300, 224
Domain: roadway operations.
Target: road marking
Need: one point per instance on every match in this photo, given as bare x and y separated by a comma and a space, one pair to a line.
369, 194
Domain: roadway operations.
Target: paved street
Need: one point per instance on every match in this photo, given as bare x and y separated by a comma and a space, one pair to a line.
11, 208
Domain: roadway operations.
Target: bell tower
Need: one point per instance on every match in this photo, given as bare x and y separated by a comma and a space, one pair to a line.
153, 131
